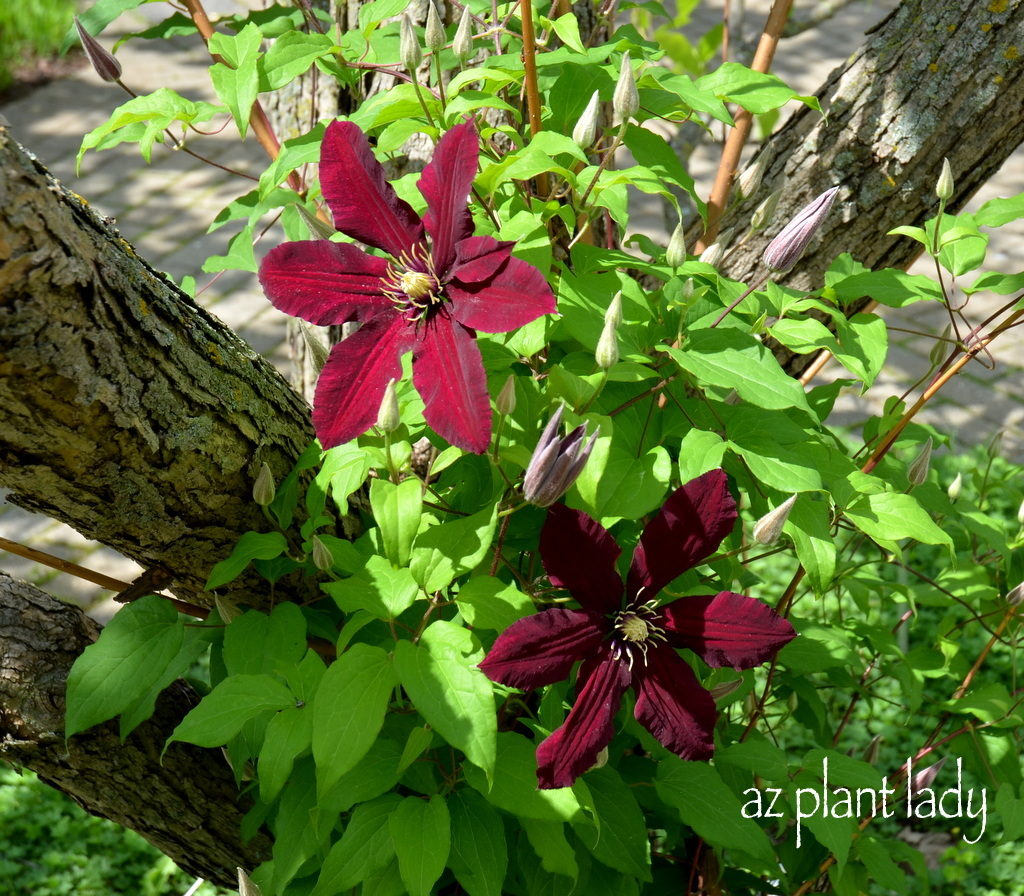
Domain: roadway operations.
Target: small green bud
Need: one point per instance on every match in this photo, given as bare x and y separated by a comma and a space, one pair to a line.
607, 352
749, 182
953, 492
462, 44
322, 558
506, 400
409, 46
1020, 513
768, 529
585, 132
764, 213
263, 489
388, 417
944, 185
675, 254
626, 99
434, 35
917, 472
942, 347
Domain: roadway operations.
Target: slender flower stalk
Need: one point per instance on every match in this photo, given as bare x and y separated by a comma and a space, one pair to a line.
785, 250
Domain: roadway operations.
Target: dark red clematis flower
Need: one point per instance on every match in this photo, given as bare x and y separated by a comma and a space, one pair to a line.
625, 640
440, 286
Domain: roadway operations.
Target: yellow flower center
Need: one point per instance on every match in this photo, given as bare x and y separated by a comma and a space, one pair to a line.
634, 629
412, 284
416, 285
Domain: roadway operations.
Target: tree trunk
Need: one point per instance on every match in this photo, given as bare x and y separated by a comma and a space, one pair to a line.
186, 803
934, 80
128, 412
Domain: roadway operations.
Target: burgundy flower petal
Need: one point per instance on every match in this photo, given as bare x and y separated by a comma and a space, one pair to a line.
448, 372
689, 527
673, 706
364, 204
727, 629
324, 282
588, 729
352, 383
516, 295
478, 258
445, 184
541, 649
579, 554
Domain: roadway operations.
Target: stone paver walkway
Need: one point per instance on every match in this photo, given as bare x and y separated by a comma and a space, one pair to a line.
164, 209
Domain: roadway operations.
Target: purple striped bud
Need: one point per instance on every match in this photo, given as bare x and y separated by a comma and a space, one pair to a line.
785, 250
106, 66
556, 462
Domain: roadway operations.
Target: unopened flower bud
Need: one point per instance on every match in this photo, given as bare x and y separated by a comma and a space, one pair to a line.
925, 778
1020, 513
245, 886
768, 529
953, 492
102, 61
263, 489
626, 99
764, 213
388, 417
434, 35
713, 254
613, 313
723, 690
749, 182
1015, 595
944, 185
462, 44
506, 400
556, 462
917, 472
318, 229
785, 250
322, 558
409, 46
607, 352
318, 352
585, 132
675, 254
227, 609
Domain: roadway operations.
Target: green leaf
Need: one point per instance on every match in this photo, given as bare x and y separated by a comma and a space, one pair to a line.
374, 774
237, 82
997, 212
731, 359
707, 805
451, 549
251, 546
513, 786
549, 842
889, 517
255, 642
809, 525
754, 91
1010, 808
618, 837
874, 853
289, 733
616, 484
366, 846
344, 469
421, 831
349, 709
479, 855
397, 510
378, 588
121, 667
290, 56
441, 677
568, 30
890, 287
699, 452
486, 602
993, 281
221, 714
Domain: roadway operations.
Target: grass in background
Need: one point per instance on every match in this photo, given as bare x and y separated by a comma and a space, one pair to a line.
50, 846
30, 30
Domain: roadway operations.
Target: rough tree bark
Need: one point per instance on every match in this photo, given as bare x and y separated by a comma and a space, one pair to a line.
126, 410
131, 414
186, 803
933, 80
